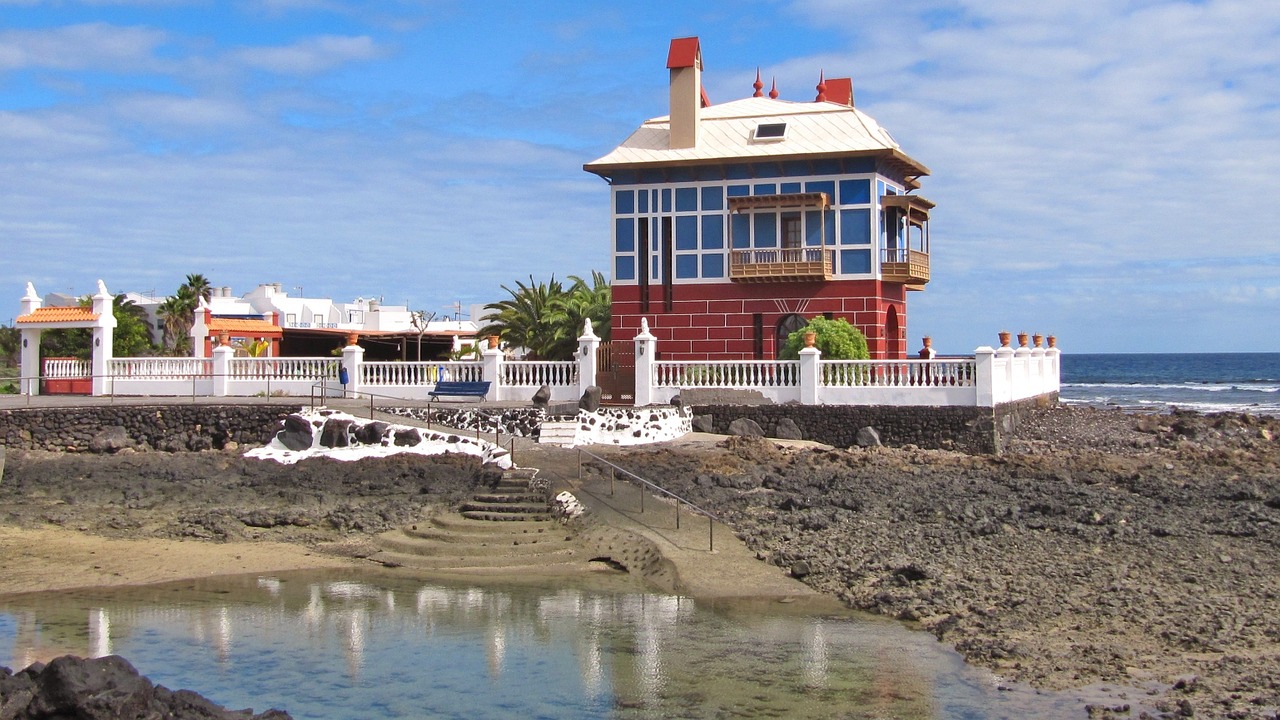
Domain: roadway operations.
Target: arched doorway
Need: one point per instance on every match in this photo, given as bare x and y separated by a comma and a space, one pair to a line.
787, 325
893, 349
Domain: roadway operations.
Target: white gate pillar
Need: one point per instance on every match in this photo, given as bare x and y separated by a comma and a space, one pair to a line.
103, 339
222, 370
588, 363
492, 369
646, 352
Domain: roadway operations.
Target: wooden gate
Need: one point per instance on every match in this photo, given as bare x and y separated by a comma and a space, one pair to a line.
616, 372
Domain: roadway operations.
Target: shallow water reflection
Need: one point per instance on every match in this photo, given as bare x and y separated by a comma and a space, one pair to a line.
328, 647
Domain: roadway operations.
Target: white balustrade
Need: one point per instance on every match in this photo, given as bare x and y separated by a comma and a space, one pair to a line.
276, 368
57, 368
897, 373
536, 373
726, 374
160, 368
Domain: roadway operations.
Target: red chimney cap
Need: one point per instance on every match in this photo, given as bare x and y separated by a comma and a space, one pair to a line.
840, 90
684, 53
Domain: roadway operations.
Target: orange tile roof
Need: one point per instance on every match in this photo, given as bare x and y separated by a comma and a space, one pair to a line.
58, 315
237, 326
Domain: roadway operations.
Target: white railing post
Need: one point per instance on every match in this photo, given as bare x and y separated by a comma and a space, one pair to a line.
1002, 388
588, 344
492, 369
810, 379
352, 362
646, 349
984, 376
1038, 370
222, 370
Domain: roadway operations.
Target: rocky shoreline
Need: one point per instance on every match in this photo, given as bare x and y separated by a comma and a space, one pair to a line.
1134, 550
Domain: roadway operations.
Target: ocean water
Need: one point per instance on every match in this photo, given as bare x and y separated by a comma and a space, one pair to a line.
1159, 382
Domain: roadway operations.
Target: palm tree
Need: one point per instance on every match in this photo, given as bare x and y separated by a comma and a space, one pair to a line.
178, 311
569, 312
522, 320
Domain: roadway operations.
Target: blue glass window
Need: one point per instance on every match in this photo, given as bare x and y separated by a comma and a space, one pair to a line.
813, 227
741, 228
624, 202
686, 266
687, 232
826, 186
712, 198
739, 190
855, 192
624, 234
686, 199
713, 265
769, 189
855, 227
712, 232
666, 200
643, 197
855, 262
624, 268
789, 188
766, 230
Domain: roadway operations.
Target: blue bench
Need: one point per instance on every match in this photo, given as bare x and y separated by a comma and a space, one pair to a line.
461, 389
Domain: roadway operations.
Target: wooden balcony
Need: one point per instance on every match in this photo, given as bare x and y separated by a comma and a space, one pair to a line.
782, 265
909, 267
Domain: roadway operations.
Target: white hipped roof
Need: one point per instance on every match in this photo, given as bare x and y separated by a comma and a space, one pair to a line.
727, 132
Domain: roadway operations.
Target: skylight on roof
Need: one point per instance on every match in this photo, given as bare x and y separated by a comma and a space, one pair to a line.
770, 132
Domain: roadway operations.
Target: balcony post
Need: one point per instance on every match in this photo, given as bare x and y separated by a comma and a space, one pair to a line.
984, 376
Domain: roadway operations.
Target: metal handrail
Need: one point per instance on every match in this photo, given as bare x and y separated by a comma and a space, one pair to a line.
712, 518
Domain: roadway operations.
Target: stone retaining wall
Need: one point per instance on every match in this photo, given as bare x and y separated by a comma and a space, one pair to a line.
968, 429
159, 427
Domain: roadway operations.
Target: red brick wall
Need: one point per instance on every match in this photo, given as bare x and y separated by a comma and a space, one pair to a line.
715, 321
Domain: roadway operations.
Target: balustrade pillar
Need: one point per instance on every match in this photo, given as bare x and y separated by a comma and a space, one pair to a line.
810, 376
984, 376
103, 340
352, 362
222, 370
492, 371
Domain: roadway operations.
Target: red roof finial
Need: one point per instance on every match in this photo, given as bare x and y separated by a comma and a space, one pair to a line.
773, 91
757, 85
822, 87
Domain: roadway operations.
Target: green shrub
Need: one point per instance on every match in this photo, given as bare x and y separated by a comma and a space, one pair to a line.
837, 339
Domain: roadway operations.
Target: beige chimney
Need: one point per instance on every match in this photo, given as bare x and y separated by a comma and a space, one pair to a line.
685, 62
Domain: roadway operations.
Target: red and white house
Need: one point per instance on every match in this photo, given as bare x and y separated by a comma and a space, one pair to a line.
734, 224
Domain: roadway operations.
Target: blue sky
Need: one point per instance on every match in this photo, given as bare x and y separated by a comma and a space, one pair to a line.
1105, 171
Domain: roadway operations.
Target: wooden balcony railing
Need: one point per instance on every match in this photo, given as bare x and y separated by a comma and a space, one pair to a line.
782, 265
910, 267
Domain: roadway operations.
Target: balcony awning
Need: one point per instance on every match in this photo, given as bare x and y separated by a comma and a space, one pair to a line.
818, 200
915, 207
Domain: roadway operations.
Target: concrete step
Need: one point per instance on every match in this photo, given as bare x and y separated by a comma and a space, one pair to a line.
557, 432
507, 543
492, 561
533, 508
506, 496
457, 525
562, 565
501, 516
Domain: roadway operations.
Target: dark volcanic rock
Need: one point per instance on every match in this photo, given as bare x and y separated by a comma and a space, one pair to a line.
590, 400
542, 396
110, 439
745, 427
107, 688
296, 434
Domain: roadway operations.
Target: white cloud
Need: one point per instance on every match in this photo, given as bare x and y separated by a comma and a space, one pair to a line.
311, 55
96, 46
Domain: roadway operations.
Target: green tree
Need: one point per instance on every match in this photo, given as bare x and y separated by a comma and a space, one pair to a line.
837, 339
10, 342
132, 337
570, 311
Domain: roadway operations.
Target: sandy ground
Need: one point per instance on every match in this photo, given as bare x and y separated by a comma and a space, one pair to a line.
53, 558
